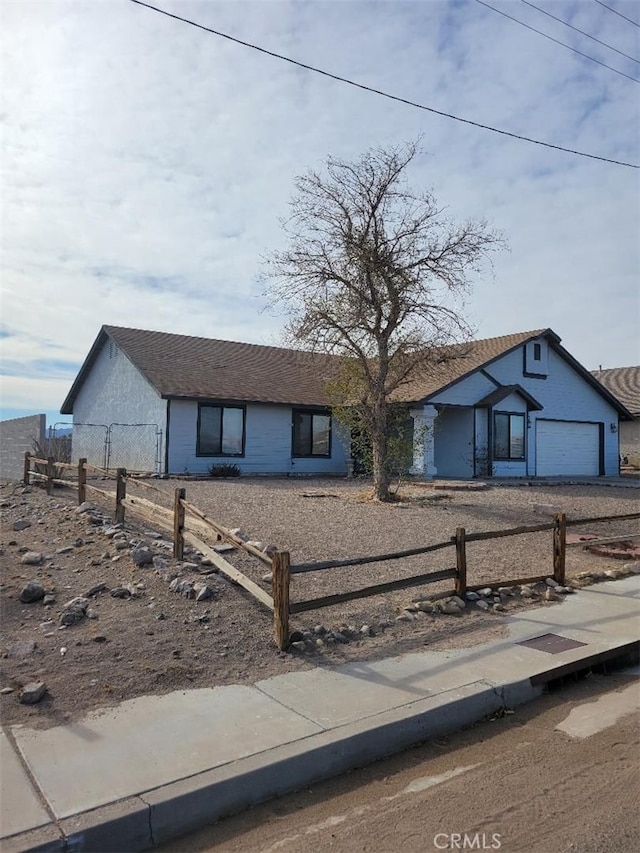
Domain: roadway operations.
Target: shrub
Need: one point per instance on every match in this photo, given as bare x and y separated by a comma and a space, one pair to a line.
224, 469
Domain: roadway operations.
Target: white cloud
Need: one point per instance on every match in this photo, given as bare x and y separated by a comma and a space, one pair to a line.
146, 163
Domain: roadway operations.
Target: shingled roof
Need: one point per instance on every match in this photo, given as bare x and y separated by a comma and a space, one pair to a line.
186, 367
624, 384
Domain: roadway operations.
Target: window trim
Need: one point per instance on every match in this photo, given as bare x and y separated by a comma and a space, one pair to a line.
509, 415
325, 413
222, 407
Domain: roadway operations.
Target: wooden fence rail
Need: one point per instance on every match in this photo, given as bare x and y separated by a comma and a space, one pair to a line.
184, 514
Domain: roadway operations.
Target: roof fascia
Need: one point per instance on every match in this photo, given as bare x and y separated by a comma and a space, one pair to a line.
67, 406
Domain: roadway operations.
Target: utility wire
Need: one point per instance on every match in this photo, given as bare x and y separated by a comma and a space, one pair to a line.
380, 92
568, 46
582, 32
615, 12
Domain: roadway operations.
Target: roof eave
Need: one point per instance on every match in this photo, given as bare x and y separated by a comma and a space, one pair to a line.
67, 406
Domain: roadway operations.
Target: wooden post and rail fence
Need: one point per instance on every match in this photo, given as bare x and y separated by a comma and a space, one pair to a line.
279, 562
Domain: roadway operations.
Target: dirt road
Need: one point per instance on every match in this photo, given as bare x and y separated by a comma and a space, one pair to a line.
559, 775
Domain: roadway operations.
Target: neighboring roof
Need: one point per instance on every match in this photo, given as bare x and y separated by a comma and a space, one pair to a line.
186, 367
624, 384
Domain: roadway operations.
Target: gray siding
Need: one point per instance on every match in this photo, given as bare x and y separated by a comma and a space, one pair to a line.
563, 394
267, 444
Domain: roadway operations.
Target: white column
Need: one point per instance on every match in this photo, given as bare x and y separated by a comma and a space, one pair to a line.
424, 442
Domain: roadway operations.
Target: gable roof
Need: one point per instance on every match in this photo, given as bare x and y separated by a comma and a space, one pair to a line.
624, 384
195, 368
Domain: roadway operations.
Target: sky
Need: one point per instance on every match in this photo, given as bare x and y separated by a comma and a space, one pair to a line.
147, 165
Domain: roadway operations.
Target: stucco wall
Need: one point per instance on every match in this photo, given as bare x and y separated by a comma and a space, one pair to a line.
16, 438
116, 393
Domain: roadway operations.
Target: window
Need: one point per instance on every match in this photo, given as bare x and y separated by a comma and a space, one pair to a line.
311, 433
537, 352
508, 436
220, 431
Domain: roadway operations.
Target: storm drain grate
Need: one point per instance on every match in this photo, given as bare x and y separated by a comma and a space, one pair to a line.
551, 643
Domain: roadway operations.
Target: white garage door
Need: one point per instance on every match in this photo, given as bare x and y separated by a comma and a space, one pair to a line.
565, 448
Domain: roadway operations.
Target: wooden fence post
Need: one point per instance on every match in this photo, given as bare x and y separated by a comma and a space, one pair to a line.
280, 577
461, 562
82, 481
121, 492
51, 470
560, 548
27, 468
178, 523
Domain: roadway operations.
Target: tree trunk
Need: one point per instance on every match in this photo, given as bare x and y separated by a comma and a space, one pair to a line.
379, 452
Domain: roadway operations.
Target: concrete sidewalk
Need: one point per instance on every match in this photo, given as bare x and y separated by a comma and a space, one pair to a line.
160, 766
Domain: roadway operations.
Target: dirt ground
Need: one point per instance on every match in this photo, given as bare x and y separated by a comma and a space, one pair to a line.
154, 640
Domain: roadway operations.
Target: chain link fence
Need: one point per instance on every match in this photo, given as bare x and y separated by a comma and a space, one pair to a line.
136, 447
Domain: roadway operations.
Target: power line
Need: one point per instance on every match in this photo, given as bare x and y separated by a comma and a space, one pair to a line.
615, 12
582, 32
381, 93
556, 41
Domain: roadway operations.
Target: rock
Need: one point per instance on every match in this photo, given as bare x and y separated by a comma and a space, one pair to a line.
612, 574
426, 606
506, 591
99, 638
457, 600
471, 596
634, 568
487, 591
92, 518
31, 558
237, 532
21, 524
256, 544
152, 534
340, 637
267, 578
482, 605
95, 589
32, 693
119, 592
84, 507
33, 591
160, 563
48, 600
405, 617
22, 648
6, 690
224, 547
527, 592
110, 532
366, 631
319, 630
299, 646
121, 544
66, 550
142, 556
90, 613
552, 595
449, 608
79, 602
202, 592
551, 582
411, 608
498, 608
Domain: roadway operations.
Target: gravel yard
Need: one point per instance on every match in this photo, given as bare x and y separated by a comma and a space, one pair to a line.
157, 640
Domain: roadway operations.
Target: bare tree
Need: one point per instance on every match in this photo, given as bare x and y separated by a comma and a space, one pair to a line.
375, 272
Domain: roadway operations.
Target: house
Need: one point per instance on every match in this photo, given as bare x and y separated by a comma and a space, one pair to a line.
624, 384
512, 406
